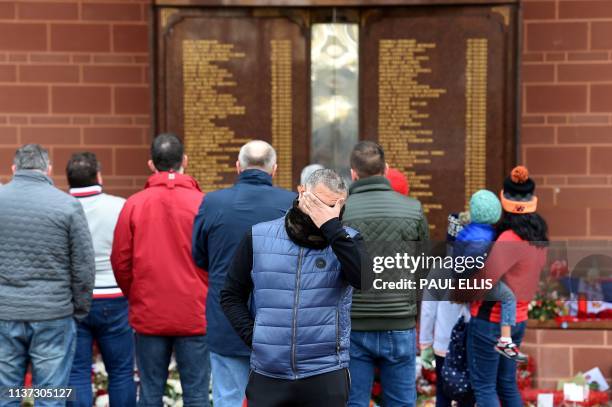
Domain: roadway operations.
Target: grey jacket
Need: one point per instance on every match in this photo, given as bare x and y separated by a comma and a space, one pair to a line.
47, 265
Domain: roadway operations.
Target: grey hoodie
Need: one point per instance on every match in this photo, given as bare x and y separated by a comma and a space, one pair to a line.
46, 255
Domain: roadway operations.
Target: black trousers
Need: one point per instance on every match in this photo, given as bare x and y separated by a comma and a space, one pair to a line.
324, 390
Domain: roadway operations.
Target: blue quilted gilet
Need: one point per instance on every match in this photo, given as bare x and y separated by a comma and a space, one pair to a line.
302, 306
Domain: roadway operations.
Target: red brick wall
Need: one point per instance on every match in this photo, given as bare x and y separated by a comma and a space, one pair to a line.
74, 75
567, 112
560, 354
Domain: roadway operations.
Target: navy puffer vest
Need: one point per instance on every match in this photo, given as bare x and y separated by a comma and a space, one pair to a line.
302, 306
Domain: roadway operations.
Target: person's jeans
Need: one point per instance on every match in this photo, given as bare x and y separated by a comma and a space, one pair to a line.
394, 353
492, 375
107, 324
153, 355
48, 345
230, 376
442, 400
503, 293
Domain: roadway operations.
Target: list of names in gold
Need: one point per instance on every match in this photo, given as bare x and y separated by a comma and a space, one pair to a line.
280, 83
475, 116
206, 98
403, 102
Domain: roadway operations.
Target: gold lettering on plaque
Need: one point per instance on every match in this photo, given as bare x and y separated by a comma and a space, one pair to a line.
206, 98
281, 80
403, 100
475, 116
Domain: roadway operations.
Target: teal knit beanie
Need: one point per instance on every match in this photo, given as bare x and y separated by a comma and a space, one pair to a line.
485, 207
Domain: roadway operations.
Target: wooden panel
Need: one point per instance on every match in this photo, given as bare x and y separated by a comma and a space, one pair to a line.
323, 3
226, 77
439, 93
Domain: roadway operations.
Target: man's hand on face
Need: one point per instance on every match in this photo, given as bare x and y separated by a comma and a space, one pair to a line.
318, 211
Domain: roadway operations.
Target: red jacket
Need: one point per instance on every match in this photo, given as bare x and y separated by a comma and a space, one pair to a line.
520, 264
152, 260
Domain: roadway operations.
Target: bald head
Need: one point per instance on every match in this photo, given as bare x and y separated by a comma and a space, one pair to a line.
257, 154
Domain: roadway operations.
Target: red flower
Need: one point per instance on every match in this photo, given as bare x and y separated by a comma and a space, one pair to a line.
429, 375
596, 398
559, 269
376, 389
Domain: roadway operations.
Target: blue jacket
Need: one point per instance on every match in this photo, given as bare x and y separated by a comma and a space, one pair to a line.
477, 232
223, 219
302, 306
474, 240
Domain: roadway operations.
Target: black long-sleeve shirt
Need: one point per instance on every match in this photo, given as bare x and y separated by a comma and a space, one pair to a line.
239, 285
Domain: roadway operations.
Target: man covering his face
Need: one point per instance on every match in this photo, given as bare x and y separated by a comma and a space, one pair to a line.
300, 270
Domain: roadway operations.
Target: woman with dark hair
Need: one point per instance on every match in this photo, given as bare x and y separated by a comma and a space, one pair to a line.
530, 227
517, 258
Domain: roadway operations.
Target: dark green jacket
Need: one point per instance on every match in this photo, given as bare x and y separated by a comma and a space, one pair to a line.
382, 215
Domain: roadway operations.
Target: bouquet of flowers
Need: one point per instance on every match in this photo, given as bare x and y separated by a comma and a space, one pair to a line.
546, 305
173, 395
525, 373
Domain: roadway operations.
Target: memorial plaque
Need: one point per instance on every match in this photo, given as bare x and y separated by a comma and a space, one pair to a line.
229, 77
438, 93
436, 85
